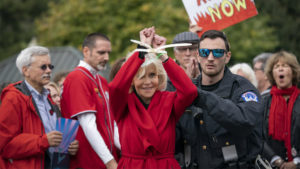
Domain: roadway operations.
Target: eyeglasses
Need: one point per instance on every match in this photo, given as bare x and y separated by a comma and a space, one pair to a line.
217, 53
258, 69
183, 49
44, 67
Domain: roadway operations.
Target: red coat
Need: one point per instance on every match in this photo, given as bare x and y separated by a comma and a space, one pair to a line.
83, 93
147, 137
23, 141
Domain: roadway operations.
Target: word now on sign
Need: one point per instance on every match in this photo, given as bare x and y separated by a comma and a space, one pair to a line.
219, 14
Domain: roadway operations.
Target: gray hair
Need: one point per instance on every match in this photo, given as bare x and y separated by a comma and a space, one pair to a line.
25, 57
263, 57
247, 70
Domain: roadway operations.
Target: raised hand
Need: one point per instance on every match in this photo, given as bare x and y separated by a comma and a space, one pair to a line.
195, 28
192, 69
158, 41
147, 35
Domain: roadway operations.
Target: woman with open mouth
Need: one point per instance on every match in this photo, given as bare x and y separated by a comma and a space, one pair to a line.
282, 112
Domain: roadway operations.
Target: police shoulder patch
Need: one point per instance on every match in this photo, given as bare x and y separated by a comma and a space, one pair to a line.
249, 96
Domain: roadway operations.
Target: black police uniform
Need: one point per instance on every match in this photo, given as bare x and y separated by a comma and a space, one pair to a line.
223, 127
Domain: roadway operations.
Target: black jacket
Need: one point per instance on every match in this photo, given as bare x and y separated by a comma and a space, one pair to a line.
221, 118
274, 147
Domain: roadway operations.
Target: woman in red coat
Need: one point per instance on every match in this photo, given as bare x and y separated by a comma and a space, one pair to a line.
145, 113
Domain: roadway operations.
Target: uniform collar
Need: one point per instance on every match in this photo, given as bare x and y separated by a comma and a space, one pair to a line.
89, 68
225, 84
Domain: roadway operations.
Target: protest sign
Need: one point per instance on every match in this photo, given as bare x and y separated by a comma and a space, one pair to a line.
219, 14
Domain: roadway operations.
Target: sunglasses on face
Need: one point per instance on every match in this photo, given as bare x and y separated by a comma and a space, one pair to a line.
217, 53
44, 67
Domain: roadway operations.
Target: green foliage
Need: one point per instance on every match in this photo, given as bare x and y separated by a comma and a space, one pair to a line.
68, 22
285, 20
16, 24
250, 38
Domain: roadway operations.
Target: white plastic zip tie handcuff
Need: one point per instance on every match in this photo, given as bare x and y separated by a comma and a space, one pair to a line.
159, 49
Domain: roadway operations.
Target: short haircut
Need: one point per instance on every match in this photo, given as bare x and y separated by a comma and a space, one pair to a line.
287, 58
247, 70
151, 60
263, 57
214, 34
25, 58
90, 39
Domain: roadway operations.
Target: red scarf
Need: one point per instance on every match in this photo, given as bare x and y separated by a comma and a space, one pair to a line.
281, 114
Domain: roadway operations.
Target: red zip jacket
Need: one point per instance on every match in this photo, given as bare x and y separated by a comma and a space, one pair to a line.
147, 135
23, 140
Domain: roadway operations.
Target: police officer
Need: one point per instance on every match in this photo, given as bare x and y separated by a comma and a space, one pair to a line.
223, 128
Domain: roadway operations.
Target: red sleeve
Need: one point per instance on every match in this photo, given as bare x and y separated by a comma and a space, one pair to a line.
77, 95
119, 87
186, 91
25, 145
13, 143
2, 164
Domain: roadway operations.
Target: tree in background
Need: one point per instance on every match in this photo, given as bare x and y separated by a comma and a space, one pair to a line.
250, 38
69, 21
285, 20
16, 24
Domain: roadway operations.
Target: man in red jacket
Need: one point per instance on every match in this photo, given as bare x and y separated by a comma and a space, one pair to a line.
28, 115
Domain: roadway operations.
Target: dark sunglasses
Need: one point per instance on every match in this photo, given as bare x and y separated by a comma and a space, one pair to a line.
44, 67
217, 53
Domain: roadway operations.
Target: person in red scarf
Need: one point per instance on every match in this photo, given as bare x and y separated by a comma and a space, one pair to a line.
282, 111
146, 114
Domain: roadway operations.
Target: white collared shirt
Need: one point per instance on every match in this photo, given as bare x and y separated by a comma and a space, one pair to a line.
89, 68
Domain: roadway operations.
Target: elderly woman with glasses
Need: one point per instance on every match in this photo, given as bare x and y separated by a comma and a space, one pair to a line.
282, 112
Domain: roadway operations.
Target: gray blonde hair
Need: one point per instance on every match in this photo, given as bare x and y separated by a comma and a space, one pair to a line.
151, 60
52, 84
25, 58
